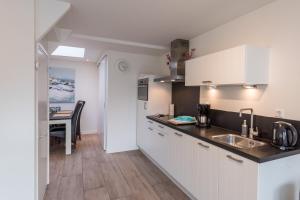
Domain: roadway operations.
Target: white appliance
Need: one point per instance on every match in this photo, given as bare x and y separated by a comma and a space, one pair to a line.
158, 102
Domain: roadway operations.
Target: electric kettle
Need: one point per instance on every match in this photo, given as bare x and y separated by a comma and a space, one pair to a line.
285, 135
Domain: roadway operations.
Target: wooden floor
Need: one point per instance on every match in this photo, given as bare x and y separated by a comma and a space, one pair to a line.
91, 174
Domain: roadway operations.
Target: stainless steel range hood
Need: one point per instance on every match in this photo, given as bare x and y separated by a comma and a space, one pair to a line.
179, 48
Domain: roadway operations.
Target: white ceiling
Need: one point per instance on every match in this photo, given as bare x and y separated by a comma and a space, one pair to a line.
95, 49
147, 26
154, 22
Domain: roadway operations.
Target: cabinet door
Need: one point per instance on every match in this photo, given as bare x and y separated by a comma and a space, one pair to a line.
237, 177
198, 70
180, 158
162, 145
229, 66
141, 124
188, 162
205, 170
221, 68
149, 138
161, 149
155, 143
176, 147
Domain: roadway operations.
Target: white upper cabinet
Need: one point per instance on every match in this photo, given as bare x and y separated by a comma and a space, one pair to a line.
242, 65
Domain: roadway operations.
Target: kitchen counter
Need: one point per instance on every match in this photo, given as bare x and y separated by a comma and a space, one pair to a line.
259, 154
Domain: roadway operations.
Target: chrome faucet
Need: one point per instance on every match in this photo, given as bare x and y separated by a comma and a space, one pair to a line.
251, 130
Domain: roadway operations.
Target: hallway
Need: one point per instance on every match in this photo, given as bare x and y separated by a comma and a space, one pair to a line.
91, 174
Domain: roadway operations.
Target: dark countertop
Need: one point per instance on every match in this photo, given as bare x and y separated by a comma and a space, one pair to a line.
258, 154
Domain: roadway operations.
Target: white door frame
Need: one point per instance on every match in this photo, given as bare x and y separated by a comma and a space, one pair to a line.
39, 47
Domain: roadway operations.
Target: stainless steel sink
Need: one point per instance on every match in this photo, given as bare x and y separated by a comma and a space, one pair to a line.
238, 141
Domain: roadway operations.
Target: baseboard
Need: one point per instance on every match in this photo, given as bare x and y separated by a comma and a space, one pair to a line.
168, 175
122, 150
86, 132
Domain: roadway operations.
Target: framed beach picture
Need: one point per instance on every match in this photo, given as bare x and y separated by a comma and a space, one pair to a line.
61, 85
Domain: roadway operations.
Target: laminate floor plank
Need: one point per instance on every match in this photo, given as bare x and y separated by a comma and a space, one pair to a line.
148, 170
71, 188
114, 181
124, 198
91, 174
52, 189
56, 166
162, 192
73, 165
96, 194
169, 191
140, 188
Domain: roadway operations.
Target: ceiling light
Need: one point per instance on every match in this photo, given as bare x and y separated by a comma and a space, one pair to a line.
69, 51
162, 81
249, 86
211, 86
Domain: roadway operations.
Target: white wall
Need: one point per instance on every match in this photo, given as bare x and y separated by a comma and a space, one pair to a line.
17, 102
122, 98
86, 88
275, 26
48, 13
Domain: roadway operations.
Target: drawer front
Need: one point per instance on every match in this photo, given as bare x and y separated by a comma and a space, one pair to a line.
150, 123
158, 126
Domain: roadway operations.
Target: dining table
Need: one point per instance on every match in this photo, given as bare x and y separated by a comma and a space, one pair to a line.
64, 117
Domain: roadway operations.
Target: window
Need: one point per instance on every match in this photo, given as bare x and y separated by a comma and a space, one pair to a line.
69, 51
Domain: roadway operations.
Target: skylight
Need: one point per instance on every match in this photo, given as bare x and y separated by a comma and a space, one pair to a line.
69, 51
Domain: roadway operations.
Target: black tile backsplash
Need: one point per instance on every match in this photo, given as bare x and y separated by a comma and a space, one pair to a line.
232, 121
185, 99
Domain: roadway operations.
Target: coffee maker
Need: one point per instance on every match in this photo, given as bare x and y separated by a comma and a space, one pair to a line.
203, 119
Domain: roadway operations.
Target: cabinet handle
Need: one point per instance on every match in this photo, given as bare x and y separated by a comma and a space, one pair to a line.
177, 134
206, 82
151, 129
162, 135
151, 122
160, 126
235, 159
203, 145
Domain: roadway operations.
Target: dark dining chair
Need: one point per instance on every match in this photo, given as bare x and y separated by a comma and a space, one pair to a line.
78, 129
60, 132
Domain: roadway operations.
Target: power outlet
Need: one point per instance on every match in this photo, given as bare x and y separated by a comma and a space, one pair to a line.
279, 113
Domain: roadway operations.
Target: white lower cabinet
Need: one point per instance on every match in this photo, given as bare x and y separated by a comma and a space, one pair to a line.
212, 173
157, 143
162, 150
205, 171
180, 158
237, 177
141, 125
149, 139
